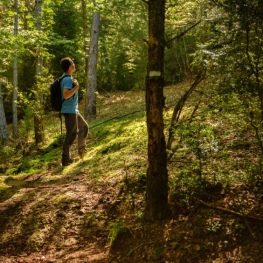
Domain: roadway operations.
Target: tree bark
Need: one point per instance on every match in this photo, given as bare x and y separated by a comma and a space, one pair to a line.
3, 124
85, 35
38, 113
15, 77
90, 112
157, 176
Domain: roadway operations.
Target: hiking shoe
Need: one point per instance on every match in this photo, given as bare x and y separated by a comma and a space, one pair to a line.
66, 161
82, 152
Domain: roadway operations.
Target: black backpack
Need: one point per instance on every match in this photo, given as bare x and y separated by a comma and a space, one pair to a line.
56, 98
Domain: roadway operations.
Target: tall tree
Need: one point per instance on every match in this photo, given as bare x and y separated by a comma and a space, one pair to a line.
90, 112
38, 114
157, 175
15, 76
85, 36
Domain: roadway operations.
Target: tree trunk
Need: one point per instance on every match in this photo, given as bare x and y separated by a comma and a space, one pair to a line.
15, 93
157, 175
90, 112
38, 113
3, 124
85, 35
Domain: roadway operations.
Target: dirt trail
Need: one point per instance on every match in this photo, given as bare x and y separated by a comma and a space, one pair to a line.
68, 218
59, 222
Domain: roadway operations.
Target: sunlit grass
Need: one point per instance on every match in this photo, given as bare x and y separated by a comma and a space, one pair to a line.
117, 141
114, 144
3, 185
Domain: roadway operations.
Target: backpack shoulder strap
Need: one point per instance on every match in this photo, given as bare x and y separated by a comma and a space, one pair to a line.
63, 76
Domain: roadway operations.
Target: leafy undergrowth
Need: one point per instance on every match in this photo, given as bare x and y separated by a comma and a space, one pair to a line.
92, 211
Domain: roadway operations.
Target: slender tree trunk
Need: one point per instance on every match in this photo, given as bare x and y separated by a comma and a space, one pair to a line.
177, 112
15, 93
38, 114
157, 175
90, 112
3, 124
85, 32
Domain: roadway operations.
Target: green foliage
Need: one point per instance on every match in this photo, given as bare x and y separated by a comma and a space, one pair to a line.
187, 187
180, 17
63, 201
6, 152
198, 142
65, 36
122, 64
27, 125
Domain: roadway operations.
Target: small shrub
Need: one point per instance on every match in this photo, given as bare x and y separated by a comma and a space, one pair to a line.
116, 229
6, 152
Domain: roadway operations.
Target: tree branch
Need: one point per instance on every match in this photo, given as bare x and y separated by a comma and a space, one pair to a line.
183, 33
177, 111
146, 41
230, 211
217, 3
116, 117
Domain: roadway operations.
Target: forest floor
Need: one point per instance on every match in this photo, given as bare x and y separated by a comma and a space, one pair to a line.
68, 221
71, 216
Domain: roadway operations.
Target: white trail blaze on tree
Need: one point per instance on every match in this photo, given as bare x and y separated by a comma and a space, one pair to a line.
155, 74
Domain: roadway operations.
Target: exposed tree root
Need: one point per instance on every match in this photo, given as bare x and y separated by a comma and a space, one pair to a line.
231, 212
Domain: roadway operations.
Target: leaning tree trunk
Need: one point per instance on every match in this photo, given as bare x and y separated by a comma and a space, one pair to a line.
3, 124
157, 175
90, 105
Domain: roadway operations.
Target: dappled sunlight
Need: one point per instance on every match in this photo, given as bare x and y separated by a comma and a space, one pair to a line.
73, 213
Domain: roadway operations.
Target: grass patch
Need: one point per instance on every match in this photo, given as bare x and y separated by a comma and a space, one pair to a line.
211, 148
116, 229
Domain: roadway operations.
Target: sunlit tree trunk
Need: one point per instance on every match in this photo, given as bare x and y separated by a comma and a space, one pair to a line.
85, 36
157, 175
38, 113
90, 111
3, 124
15, 83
